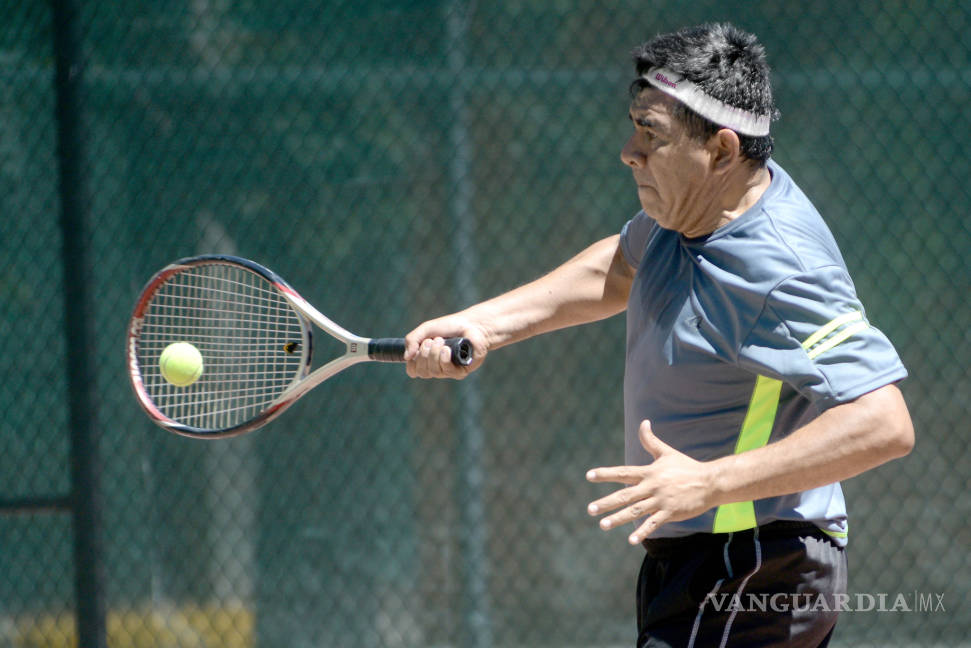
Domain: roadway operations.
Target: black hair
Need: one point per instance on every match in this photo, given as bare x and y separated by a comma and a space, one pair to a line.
726, 63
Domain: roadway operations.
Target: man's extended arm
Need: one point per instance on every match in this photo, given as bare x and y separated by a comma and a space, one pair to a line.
842, 442
591, 286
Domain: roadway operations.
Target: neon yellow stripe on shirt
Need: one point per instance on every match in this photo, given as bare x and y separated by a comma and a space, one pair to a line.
828, 328
756, 429
760, 417
842, 535
836, 339
844, 326
736, 516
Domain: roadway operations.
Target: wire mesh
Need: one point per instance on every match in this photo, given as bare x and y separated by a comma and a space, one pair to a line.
395, 161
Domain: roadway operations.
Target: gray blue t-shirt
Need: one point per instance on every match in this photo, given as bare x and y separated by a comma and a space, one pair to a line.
737, 338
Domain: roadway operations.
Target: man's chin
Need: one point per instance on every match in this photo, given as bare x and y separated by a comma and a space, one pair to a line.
651, 209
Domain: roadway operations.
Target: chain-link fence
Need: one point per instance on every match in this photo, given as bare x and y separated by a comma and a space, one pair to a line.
395, 160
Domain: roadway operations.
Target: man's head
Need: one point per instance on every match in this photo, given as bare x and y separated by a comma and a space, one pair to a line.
700, 108
723, 63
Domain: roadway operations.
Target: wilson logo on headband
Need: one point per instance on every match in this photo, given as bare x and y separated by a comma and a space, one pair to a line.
742, 121
666, 81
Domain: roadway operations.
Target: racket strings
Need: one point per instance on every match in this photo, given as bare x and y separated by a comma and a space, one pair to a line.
242, 326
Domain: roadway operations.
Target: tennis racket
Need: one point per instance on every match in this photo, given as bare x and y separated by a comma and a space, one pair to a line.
255, 335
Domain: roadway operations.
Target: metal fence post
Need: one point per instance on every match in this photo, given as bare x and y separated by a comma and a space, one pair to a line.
476, 618
85, 498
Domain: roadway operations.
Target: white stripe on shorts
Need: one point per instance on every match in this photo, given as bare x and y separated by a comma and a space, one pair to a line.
718, 584
741, 587
714, 590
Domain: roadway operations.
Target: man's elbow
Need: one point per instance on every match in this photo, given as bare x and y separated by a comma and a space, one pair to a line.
902, 439
894, 419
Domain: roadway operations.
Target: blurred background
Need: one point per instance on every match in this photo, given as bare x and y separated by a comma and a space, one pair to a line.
395, 161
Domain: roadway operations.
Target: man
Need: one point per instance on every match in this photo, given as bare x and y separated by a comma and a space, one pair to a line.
753, 383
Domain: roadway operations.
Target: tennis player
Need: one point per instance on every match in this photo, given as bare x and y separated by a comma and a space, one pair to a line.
754, 381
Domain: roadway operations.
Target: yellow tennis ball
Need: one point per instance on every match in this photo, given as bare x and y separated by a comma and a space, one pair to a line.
181, 364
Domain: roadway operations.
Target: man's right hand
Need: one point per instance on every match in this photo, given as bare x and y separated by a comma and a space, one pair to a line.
426, 355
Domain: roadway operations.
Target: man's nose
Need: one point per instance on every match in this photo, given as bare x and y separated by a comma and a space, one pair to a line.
631, 156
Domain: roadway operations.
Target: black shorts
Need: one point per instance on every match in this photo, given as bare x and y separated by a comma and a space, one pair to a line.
770, 586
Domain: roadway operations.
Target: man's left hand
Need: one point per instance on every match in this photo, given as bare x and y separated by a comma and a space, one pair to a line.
674, 487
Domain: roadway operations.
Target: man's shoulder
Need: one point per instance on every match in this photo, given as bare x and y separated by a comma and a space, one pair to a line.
786, 235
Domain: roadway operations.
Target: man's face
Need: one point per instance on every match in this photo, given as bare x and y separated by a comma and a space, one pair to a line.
670, 168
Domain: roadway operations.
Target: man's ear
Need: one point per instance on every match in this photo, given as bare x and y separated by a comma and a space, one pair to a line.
725, 149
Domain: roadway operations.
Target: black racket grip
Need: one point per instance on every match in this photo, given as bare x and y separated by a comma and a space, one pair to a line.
393, 350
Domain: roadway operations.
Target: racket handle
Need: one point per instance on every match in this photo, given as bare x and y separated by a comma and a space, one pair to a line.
393, 350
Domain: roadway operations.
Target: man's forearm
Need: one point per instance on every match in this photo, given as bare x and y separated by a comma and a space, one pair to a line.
843, 442
591, 286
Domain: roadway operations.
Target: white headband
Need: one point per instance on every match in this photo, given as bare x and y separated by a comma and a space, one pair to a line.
742, 121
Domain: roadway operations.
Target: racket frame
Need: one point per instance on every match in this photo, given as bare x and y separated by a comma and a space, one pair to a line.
357, 348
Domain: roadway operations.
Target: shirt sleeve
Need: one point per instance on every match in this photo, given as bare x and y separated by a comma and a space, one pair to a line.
814, 335
634, 237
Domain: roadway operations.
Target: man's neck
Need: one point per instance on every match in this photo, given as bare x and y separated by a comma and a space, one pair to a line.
732, 198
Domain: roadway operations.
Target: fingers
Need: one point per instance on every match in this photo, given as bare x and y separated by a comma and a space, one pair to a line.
636, 505
426, 355
634, 509
632, 474
616, 474
414, 340
636, 499
651, 443
634, 502
648, 527
432, 359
